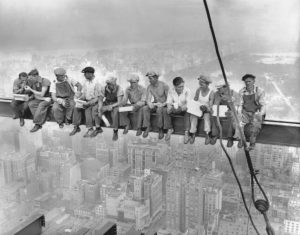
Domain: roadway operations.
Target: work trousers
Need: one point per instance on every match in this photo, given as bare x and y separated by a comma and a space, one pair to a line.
186, 117
61, 113
194, 123
39, 110
19, 108
164, 119
90, 116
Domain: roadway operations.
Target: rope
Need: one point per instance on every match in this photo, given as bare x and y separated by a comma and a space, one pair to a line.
261, 205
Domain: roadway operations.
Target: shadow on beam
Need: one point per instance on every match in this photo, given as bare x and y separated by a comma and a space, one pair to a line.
273, 132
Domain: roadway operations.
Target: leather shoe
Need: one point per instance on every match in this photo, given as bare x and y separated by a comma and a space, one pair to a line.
213, 140
22, 122
115, 135
61, 125
193, 137
251, 147
14, 116
146, 133
229, 143
160, 134
240, 144
88, 133
36, 128
75, 130
96, 132
186, 138
126, 129
207, 140
168, 135
138, 132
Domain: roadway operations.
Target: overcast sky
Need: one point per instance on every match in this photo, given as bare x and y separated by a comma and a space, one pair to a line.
55, 24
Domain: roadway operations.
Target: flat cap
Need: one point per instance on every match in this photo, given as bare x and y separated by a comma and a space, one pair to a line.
248, 76
111, 79
60, 71
205, 78
88, 70
23, 74
133, 78
152, 74
220, 83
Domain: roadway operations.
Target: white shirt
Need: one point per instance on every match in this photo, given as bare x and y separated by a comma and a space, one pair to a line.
181, 100
204, 99
91, 89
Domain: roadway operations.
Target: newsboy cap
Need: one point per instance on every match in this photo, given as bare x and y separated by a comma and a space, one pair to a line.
133, 78
152, 74
248, 76
205, 78
88, 70
60, 71
111, 79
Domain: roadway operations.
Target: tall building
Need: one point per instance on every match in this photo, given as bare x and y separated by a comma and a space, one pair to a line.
141, 157
91, 192
212, 203
71, 174
102, 152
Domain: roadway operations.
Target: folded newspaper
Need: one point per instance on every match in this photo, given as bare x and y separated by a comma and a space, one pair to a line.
21, 97
193, 107
222, 110
79, 103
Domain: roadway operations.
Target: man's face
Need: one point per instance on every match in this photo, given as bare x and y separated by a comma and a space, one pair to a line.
60, 78
249, 82
111, 86
223, 90
34, 77
23, 78
89, 76
179, 88
203, 84
133, 85
153, 80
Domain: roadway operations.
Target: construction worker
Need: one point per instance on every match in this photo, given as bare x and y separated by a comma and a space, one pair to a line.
157, 93
252, 108
136, 95
20, 107
40, 104
63, 91
204, 95
91, 90
222, 97
110, 99
177, 100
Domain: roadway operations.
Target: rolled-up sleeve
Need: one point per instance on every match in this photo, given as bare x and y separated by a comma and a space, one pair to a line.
144, 94
120, 91
170, 99
99, 90
15, 86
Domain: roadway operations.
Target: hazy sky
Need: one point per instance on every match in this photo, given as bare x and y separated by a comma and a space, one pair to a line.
55, 24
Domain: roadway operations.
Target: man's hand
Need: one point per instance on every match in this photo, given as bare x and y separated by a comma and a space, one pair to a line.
48, 99
184, 108
151, 105
160, 105
203, 108
169, 109
27, 88
59, 100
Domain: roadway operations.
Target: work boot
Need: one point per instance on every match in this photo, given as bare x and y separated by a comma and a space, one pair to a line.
146, 132
115, 135
14, 117
229, 142
160, 133
36, 128
168, 135
207, 139
88, 133
186, 137
61, 125
213, 140
240, 144
22, 122
126, 129
193, 137
97, 131
138, 132
68, 122
75, 130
